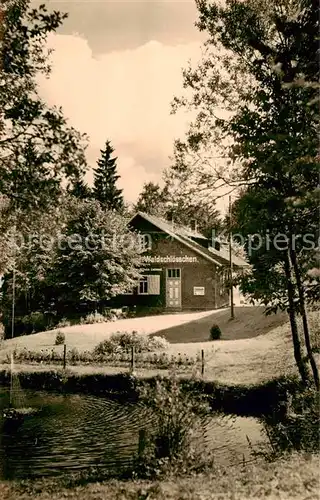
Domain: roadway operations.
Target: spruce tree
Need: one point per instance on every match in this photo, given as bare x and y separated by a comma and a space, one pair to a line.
79, 189
105, 177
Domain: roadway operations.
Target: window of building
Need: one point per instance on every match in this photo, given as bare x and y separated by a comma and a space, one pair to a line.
145, 242
143, 286
149, 285
173, 273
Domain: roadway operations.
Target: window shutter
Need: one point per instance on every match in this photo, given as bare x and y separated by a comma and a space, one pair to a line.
153, 284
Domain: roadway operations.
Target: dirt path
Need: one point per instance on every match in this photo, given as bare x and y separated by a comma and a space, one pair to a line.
86, 337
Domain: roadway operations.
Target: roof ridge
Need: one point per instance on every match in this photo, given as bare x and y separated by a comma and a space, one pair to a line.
175, 225
188, 241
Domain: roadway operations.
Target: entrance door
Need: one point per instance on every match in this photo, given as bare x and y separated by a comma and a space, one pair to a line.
173, 288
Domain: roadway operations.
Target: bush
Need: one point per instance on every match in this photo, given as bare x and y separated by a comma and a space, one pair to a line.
215, 332
157, 343
73, 356
35, 322
294, 425
113, 314
123, 342
92, 318
63, 323
60, 338
170, 446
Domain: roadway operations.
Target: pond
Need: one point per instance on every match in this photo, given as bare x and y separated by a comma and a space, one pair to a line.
72, 433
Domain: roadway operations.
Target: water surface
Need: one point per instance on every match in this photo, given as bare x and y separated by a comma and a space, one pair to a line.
71, 433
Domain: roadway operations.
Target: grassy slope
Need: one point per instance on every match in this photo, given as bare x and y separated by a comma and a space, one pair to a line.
297, 477
249, 322
86, 337
244, 361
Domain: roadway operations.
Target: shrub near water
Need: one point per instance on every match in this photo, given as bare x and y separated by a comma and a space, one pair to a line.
295, 426
170, 446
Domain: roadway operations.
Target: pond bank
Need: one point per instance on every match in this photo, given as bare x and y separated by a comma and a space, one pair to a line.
291, 478
242, 400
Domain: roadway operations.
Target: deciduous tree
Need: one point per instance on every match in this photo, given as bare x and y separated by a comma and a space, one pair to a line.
256, 126
38, 149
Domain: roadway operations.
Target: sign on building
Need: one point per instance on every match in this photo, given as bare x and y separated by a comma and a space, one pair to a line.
168, 259
198, 290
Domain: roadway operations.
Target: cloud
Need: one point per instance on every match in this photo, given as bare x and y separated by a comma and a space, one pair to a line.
122, 96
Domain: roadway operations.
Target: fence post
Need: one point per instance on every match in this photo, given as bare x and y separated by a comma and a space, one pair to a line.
64, 356
132, 358
202, 362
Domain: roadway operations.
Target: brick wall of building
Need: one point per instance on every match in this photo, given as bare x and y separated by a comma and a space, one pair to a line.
195, 271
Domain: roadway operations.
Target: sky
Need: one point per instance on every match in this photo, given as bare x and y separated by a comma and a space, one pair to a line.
116, 67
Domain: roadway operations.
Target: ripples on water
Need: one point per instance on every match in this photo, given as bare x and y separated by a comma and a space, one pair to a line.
75, 432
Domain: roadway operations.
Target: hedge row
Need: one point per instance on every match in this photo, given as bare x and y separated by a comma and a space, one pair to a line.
255, 400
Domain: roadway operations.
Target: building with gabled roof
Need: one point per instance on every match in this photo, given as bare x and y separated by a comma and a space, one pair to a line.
182, 269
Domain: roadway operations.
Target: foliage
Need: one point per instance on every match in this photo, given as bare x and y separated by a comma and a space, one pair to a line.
97, 258
314, 325
263, 130
77, 257
35, 322
60, 338
79, 189
295, 428
125, 341
92, 318
29, 250
37, 147
73, 356
179, 203
215, 332
63, 323
108, 314
145, 359
105, 177
289, 477
178, 421
152, 200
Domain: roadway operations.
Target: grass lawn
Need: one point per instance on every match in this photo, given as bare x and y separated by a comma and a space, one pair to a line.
248, 322
293, 478
242, 361
86, 337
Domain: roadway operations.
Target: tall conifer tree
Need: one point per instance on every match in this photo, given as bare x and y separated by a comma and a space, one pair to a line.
105, 179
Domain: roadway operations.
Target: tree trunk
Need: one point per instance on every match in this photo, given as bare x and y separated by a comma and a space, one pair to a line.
294, 329
297, 273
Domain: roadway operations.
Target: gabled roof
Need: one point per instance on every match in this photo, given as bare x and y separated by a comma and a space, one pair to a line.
224, 253
168, 226
184, 235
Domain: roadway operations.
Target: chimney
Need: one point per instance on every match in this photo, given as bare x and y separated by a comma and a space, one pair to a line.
215, 243
194, 225
171, 221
